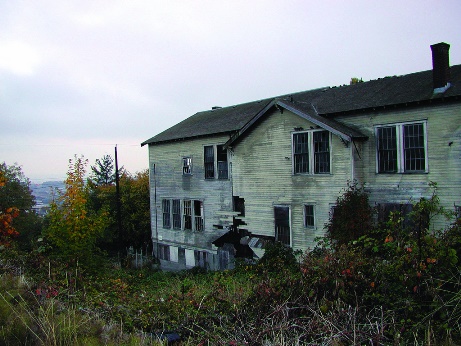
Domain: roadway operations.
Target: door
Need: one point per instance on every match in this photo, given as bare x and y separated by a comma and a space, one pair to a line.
282, 224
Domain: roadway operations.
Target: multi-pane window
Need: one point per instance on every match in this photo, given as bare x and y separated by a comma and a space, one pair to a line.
176, 214
186, 165
311, 152
401, 148
166, 208
215, 166
163, 252
187, 215
209, 161
198, 215
309, 219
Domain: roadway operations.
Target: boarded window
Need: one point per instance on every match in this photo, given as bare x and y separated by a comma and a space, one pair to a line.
209, 162
282, 224
309, 219
176, 214
166, 208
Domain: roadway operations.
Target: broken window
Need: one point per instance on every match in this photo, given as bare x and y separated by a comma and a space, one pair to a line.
282, 224
223, 170
166, 208
186, 165
209, 161
309, 219
311, 152
176, 214
198, 215
187, 215
401, 148
239, 205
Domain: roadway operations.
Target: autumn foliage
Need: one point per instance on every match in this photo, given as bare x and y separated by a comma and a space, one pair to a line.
7, 231
73, 228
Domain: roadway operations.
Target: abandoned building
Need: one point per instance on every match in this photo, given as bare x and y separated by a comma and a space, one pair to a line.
226, 180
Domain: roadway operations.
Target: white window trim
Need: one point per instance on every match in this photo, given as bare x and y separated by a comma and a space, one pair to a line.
310, 153
181, 206
189, 158
304, 216
400, 146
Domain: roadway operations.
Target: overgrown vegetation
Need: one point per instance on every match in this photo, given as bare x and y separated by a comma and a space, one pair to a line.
389, 283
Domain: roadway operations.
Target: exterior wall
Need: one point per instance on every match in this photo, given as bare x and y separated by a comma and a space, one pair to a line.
443, 152
262, 175
168, 181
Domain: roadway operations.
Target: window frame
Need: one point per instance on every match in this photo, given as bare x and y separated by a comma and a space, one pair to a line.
187, 165
163, 252
215, 168
184, 214
401, 149
309, 155
306, 215
290, 230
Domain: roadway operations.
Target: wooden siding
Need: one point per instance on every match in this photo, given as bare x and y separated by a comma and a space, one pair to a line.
443, 152
263, 176
168, 182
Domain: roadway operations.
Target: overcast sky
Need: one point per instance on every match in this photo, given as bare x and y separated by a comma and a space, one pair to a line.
79, 77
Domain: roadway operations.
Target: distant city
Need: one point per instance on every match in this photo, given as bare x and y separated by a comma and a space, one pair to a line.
44, 194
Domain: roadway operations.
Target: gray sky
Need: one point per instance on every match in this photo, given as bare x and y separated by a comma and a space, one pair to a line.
79, 77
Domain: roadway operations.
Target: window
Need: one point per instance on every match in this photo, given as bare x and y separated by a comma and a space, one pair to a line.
282, 224
458, 212
401, 148
187, 214
309, 219
311, 152
163, 252
198, 215
209, 162
239, 205
201, 258
176, 214
166, 207
186, 165
218, 163
222, 163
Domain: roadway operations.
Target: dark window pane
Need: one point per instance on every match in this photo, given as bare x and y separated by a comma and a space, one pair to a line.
282, 224
166, 206
176, 214
321, 152
301, 152
309, 215
415, 157
387, 149
209, 162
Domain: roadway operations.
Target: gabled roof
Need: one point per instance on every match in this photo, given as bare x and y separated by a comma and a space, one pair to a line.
319, 106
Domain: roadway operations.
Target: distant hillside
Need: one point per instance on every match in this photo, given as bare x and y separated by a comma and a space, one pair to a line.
44, 192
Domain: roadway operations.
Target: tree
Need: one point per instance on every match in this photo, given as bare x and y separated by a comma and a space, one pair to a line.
16, 202
72, 227
103, 171
352, 216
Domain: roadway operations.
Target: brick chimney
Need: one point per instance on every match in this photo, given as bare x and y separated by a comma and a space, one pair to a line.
440, 67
